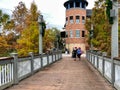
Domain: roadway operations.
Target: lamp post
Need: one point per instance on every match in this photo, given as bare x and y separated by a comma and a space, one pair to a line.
114, 32
57, 41
91, 36
114, 38
40, 20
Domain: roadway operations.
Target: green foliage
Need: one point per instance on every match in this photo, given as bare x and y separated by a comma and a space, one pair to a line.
3, 18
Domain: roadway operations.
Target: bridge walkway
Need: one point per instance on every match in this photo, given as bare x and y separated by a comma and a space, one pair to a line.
65, 74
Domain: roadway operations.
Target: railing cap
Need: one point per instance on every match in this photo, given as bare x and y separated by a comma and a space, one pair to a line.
14, 54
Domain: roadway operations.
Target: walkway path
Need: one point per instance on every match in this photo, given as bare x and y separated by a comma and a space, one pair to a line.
65, 74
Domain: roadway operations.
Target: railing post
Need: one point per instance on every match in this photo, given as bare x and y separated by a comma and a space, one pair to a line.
41, 56
97, 61
58, 55
52, 57
55, 57
47, 59
15, 68
94, 60
32, 62
103, 66
113, 72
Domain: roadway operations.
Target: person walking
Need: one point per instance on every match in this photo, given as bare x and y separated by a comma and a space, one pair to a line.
74, 52
79, 52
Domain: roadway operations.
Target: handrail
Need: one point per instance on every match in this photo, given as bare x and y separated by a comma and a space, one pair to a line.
103, 65
14, 69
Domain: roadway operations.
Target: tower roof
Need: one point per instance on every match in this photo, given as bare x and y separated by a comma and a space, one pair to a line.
69, 1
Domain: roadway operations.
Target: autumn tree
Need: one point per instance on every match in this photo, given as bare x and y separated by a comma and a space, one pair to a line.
28, 41
19, 17
12, 28
48, 40
58, 43
52, 39
5, 46
102, 29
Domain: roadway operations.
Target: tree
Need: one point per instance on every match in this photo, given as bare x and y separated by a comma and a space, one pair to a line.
3, 18
19, 17
48, 39
102, 28
3, 47
12, 28
52, 39
28, 41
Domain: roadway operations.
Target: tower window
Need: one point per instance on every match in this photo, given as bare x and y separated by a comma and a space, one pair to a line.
71, 19
77, 33
77, 4
77, 19
83, 33
71, 5
83, 5
83, 19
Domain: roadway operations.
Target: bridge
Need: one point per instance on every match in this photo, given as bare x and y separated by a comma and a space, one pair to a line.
57, 71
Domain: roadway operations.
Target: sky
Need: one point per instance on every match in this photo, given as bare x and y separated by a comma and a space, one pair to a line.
53, 11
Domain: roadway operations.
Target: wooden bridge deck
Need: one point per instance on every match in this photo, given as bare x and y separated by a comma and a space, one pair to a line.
65, 74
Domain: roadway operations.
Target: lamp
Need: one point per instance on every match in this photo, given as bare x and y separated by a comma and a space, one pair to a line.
40, 19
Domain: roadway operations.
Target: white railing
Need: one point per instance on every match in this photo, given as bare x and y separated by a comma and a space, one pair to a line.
104, 66
14, 69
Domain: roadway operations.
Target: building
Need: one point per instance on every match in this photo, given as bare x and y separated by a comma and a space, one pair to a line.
74, 24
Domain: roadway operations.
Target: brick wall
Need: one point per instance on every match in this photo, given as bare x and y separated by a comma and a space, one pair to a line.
75, 41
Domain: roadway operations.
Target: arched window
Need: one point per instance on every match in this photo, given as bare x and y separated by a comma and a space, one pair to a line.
71, 19
83, 19
77, 19
83, 33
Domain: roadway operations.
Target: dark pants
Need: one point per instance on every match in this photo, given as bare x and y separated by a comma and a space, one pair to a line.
79, 55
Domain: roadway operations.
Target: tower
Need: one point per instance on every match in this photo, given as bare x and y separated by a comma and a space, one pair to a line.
74, 24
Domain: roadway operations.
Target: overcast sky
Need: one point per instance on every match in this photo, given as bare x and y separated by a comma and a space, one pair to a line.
53, 11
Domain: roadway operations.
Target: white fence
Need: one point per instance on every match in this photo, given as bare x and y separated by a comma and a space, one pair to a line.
104, 66
12, 70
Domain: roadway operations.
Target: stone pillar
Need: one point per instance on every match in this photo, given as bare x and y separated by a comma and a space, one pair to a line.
32, 62
15, 68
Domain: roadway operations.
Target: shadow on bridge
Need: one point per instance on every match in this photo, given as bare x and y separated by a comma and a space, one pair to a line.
65, 74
